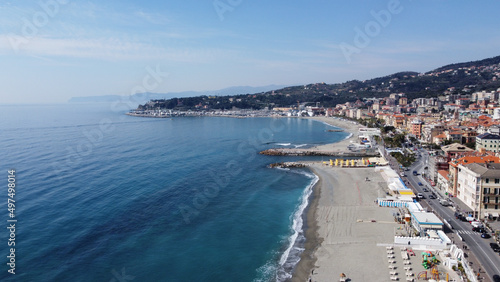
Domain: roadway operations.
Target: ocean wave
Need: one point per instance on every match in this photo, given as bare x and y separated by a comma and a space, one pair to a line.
283, 144
291, 256
299, 146
349, 136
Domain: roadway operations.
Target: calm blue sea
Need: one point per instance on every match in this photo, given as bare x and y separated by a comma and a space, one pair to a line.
102, 196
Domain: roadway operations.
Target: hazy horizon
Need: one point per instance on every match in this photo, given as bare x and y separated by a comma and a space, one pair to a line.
57, 49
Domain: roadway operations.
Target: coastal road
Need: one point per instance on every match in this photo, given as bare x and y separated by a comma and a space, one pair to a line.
489, 260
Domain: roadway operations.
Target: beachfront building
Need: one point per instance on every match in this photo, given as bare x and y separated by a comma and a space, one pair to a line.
479, 188
426, 221
454, 170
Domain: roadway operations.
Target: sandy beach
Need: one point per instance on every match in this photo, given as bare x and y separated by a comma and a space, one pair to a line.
347, 126
344, 224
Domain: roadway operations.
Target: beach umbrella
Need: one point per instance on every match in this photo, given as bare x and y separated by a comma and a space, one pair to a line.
336, 162
331, 162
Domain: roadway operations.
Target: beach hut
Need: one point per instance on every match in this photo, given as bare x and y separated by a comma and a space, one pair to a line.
336, 162
331, 162
352, 163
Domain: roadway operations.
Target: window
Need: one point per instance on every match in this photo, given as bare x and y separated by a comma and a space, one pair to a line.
497, 180
485, 207
486, 200
487, 180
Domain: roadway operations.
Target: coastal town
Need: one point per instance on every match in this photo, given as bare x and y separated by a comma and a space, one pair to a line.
426, 173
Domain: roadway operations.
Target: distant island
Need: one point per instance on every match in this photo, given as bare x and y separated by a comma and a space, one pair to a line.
455, 79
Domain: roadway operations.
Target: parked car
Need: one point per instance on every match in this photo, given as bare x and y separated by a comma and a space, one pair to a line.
485, 235
432, 196
420, 196
425, 190
420, 184
495, 247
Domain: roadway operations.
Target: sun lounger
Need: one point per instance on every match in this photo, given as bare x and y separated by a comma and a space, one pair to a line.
407, 268
394, 278
406, 262
389, 248
392, 266
392, 261
410, 279
409, 273
390, 251
393, 273
390, 256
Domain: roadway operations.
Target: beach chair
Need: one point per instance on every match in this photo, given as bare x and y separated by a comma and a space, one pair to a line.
392, 266
392, 261
390, 256
390, 252
389, 248
407, 268
407, 262
409, 273
409, 279
394, 278
393, 273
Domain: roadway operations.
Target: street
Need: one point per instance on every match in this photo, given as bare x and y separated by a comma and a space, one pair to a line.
477, 247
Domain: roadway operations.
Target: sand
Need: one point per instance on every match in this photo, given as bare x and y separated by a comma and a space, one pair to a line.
347, 126
346, 230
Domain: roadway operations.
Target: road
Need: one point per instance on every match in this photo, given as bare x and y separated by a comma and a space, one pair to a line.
489, 260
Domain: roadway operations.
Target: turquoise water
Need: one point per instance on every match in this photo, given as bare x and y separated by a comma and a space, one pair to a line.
102, 196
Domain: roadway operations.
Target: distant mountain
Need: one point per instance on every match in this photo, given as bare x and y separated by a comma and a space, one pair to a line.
460, 78
157, 96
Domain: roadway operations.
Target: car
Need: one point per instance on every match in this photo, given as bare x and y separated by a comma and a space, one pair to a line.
432, 196
420, 184
496, 278
485, 235
425, 190
495, 247
420, 196
478, 229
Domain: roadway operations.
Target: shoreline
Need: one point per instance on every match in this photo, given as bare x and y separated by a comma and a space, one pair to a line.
307, 263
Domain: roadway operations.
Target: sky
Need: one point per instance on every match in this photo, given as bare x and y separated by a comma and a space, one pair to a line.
52, 50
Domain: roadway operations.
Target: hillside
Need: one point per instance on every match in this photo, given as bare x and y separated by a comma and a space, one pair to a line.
451, 79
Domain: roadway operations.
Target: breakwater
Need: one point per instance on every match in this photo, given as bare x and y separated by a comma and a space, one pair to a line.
306, 152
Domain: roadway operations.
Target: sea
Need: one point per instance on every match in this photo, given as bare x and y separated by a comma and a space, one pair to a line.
102, 196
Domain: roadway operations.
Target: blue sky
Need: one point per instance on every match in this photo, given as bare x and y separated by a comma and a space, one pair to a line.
52, 50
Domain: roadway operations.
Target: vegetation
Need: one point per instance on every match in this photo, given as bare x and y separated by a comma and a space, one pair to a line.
414, 85
404, 160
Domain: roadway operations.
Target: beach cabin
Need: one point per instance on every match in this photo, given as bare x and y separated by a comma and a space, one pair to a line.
426, 221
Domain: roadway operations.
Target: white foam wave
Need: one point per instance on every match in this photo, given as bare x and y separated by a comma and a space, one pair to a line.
297, 228
349, 136
284, 144
301, 145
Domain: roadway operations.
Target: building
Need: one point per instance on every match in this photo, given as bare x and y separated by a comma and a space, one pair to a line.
455, 150
488, 142
454, 169
479, 188
416, 128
